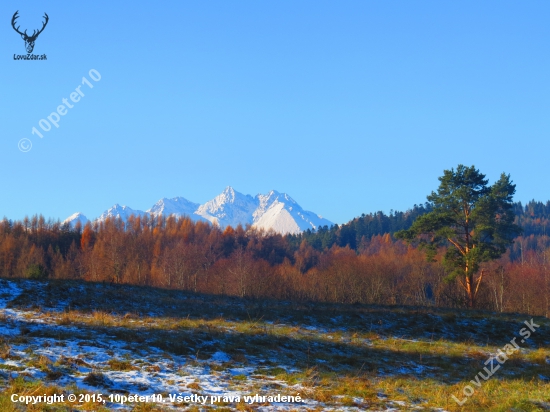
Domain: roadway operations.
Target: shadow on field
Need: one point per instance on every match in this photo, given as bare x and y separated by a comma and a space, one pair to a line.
352, 340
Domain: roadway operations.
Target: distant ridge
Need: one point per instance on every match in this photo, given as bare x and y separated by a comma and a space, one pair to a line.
273, 211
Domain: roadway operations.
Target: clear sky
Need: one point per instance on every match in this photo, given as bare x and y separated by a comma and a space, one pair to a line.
348, 106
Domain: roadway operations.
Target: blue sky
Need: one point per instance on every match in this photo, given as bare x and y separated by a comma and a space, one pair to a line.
350, 106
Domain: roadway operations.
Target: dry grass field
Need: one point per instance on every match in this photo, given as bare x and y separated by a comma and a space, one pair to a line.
85, 338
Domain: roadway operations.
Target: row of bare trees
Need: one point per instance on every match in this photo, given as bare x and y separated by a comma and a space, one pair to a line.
180, 254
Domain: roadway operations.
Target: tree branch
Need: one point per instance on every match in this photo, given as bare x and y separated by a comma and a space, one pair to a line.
455, 244
463, 285
478, 282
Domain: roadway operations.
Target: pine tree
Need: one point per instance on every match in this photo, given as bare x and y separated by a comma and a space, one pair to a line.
474, 219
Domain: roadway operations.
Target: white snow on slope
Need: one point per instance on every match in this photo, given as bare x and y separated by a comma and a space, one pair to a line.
278, 211
119, 212
273, 211
152, 371
76, 217
177, 207
230, 208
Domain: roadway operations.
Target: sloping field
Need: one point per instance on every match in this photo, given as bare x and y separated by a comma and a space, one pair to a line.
197, 352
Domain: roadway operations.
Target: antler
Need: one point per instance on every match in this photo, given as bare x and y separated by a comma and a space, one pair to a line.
15, 16
43, 25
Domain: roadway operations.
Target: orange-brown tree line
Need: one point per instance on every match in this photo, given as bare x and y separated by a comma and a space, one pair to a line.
248, 263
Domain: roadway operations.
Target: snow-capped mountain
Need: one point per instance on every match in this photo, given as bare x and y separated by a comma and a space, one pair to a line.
120, 212
276, 211
76, 217
230, 208
178, 207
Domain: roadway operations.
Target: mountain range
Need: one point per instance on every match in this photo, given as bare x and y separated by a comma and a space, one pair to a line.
276, 211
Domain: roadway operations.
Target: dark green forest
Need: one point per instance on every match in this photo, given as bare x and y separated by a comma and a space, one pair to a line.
533, 218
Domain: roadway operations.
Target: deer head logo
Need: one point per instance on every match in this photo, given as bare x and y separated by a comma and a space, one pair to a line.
29, 40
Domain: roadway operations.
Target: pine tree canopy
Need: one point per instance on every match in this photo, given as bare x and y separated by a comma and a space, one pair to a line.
474, 219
